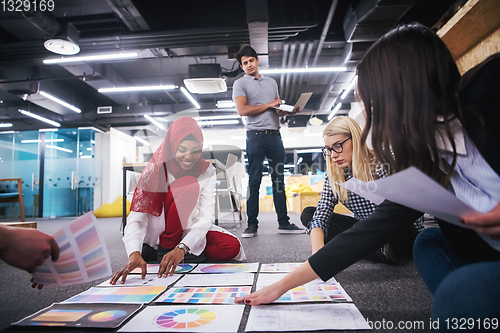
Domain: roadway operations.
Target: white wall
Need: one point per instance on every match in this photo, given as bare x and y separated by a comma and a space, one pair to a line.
117, 148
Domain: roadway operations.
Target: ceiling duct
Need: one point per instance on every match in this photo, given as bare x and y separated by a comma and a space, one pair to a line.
371, 19
205, 79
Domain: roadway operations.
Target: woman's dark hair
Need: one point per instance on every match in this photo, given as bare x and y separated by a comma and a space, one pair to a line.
245, 51
407, 82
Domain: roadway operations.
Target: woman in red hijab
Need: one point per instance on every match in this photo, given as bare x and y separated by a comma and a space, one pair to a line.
173, 208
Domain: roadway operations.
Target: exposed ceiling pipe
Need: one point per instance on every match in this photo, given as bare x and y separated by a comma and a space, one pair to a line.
286, 46
304, 65
296, 75
43, 21
329, 18
258, 21
290, 65
324, 96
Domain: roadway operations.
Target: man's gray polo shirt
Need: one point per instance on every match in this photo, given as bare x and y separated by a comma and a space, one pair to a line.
258, 92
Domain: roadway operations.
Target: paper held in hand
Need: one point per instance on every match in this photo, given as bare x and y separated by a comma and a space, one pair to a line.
412, 188
301, 103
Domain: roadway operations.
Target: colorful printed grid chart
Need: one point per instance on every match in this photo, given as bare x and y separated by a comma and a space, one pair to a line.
203, 280
117, 295
306, 317
81, 315
314, 291
83, 255
209, 295
154, 268
226, 268
137, 280
192, 318
279, 267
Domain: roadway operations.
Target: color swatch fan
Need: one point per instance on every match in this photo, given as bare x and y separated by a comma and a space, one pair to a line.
83, 255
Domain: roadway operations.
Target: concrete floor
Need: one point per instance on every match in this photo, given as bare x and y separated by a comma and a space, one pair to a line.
381, 292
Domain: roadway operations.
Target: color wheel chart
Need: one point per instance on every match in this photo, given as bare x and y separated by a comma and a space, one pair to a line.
209, 295
117, 295
81, 315
186, 318
176, 318
226, 268
154, 268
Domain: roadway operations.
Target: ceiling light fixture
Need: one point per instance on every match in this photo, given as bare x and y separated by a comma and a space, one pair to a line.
6, 125
61, 46
148, 117
231, 116
46, 140
349, 87
32, 115
59, 148
144, 142
8, 132
57, 100
303, 70
188, 95
86, 156
137, 88
226, 104
91, 128
114, 56
48, 130
219, 122
335, 109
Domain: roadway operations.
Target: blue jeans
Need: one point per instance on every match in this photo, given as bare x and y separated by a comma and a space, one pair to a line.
466, 295
260, 146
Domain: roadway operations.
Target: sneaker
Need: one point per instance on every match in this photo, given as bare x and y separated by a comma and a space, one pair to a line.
250, 231
291, 229
384, 255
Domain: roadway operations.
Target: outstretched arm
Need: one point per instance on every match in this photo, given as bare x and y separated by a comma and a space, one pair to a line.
26, 248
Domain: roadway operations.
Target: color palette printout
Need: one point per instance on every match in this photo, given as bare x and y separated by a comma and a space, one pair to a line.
154, 268
191, 318
305, 317
279, 267
314, 291
207, 295
118, 295
83, 255
226, 268
203, 280
81, 315
137, 280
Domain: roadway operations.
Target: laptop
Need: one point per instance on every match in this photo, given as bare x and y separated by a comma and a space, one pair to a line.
301, 103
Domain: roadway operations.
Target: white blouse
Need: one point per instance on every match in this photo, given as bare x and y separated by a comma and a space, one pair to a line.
146, 228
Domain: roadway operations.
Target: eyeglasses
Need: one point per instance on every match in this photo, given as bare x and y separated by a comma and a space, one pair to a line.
338, 148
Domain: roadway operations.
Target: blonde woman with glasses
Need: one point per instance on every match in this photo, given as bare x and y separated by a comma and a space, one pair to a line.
346, 158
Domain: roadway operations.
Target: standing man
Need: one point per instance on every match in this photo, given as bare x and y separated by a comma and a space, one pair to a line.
256, 97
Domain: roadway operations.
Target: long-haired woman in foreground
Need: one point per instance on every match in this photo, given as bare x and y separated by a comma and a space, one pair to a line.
409, 85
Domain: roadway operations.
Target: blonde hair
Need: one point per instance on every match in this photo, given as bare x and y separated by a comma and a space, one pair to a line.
361, 156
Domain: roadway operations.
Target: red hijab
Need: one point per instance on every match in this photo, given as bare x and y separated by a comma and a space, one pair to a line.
149, 194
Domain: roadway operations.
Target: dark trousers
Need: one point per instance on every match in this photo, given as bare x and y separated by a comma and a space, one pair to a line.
259, 146
402, 246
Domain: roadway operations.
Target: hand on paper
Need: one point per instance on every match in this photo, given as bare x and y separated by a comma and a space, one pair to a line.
170, 261
26, 248
303, 274
134, 260
484, 223
263, 296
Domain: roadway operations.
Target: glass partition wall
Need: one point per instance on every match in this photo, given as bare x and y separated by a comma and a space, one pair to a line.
57, 168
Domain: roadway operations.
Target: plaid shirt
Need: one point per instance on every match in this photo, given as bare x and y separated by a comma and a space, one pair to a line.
359, 206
